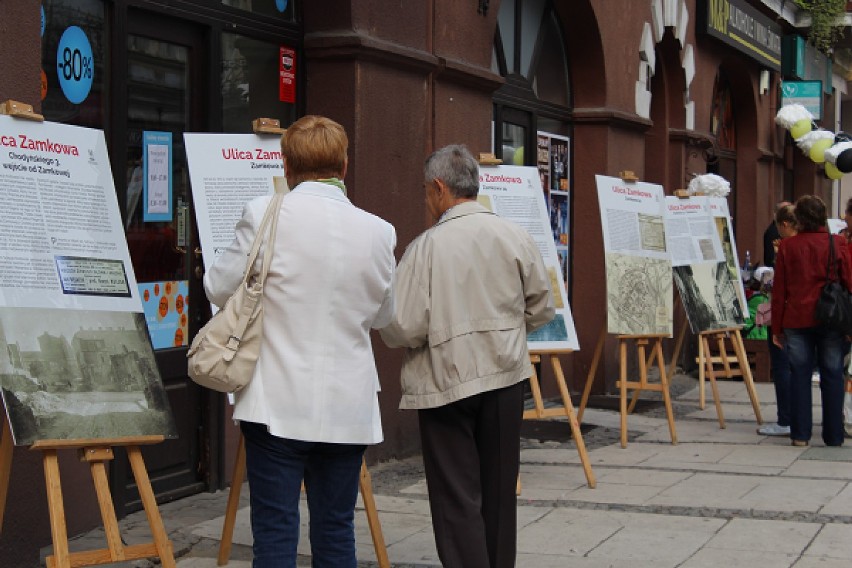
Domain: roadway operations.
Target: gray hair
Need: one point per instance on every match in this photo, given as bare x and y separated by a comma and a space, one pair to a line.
456, 167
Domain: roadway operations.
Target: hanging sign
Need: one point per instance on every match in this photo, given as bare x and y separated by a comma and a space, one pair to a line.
806, 93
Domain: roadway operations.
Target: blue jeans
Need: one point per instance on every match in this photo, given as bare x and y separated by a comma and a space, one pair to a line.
275, 468
805, 346
780, 364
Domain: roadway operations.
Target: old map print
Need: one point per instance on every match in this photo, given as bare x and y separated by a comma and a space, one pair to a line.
639, 295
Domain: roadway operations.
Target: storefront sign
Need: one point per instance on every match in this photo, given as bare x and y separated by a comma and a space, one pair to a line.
743, 28
287, 75
806, 93
157, 172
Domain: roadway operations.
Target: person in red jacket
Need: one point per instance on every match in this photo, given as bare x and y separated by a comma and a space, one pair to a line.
801, 271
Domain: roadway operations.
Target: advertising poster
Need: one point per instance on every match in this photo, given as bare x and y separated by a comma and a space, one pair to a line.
554, 168
708, 293
165, 305
157, 175
515, 192
226, 171
638, 266
75, 358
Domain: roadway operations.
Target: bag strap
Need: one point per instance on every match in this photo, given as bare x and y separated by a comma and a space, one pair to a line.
269, 224
831, 262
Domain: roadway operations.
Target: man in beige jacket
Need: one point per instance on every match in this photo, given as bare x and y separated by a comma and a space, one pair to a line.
468, 290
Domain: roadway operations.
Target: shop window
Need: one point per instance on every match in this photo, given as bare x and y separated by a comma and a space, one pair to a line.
550, 81
532, 110
252, 82
74, 62
283, 9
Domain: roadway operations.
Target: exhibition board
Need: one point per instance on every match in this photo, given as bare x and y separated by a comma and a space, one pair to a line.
515, 193
77, 371
638, 266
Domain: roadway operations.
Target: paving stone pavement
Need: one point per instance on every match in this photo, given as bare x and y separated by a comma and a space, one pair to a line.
720, 497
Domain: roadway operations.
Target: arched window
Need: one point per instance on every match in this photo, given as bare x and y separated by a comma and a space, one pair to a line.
532, 109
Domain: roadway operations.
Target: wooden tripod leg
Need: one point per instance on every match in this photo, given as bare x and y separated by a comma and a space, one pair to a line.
664, 385
572, 420
622, 386
712, 374
676, 353
590, 378
96, 458
237, 478
739, 349
58, 530
6, 447
373, 517
703, 359
723, 354
146, 494
535, 387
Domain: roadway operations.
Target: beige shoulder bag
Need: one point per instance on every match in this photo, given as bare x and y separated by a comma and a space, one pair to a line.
224, 354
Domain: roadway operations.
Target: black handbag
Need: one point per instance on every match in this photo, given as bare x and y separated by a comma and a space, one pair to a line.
834, 305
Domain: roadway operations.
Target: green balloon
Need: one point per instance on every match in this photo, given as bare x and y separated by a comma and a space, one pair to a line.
832, 172
800, 128
817, 151
518, 158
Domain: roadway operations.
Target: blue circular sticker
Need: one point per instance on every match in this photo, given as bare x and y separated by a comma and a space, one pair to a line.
281, 5
75, 65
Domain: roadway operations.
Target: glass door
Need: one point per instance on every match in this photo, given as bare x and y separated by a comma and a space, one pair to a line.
161, 98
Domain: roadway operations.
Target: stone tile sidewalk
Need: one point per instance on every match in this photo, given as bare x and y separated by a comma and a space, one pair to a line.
726, 497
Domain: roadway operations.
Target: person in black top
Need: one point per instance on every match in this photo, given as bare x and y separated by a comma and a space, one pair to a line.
771, 238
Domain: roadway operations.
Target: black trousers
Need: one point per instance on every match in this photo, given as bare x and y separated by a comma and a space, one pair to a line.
471, 453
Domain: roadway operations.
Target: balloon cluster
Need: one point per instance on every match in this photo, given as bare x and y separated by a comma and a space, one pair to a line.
710, 185
821, 146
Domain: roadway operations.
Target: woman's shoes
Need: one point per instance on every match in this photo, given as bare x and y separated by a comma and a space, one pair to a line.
800, 443
773, 429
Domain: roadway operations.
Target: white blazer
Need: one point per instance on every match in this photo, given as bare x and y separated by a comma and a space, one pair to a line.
329, 282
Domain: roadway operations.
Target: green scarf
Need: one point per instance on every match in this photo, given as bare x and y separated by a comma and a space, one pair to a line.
337, 182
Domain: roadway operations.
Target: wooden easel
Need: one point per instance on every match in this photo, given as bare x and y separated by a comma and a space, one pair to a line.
237, 479
707, 364
646, 357
567, 408
97, 452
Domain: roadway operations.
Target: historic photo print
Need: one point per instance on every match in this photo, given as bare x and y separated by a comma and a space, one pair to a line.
709, 296
70, 375
639, 294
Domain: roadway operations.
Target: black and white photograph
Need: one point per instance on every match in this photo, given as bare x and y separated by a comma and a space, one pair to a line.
71, 375
709, 296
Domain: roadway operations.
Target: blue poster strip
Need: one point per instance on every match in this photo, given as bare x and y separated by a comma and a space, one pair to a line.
157, 172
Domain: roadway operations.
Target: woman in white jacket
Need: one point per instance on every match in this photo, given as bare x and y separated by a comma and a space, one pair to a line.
312, 406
